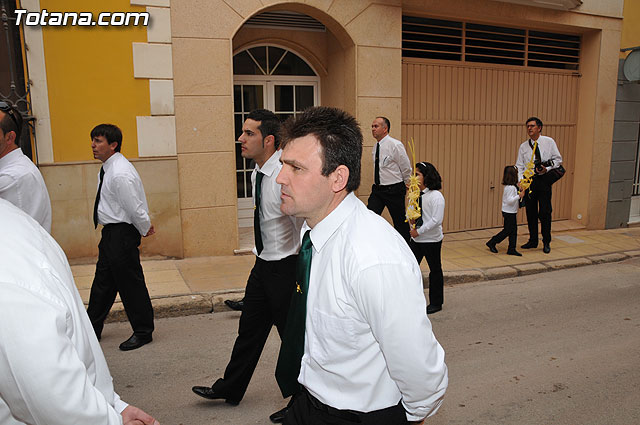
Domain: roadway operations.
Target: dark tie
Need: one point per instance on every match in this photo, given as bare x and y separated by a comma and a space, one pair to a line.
292, 348
95, 205
376, 175
257, 234
537, 151
419, 220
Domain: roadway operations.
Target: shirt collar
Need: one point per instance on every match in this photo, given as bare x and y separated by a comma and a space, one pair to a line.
323, 231
10, 157
271, 164
384, 138
109, 162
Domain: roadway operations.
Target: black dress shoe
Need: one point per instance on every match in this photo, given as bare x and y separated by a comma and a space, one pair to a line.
529, 245
546, 248
278, 417
433, 308
492, 247
514, 252
211, 394
135, 341
235, 305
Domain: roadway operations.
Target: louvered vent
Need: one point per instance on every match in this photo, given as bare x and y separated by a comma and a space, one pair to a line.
285, 20
470, 42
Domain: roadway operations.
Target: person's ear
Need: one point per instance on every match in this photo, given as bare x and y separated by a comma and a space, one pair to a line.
340, 177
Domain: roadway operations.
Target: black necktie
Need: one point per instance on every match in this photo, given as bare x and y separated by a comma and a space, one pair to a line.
292, 348
257, 234
376, 175
419, 220
95, 205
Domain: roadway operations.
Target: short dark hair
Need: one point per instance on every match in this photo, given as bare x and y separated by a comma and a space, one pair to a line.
537, 120
339, 136
269, 124
110, 132
432, 179
8, 123
387, 123
510, 175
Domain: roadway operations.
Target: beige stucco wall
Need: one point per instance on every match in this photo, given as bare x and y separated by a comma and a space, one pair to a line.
72, 189
359, 62
360, 69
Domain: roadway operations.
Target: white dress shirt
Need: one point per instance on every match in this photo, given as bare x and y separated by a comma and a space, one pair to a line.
395, 166
280, 233
548, 150
368, 341
122, 198
510, 199
22, 184
52, 370
432, 216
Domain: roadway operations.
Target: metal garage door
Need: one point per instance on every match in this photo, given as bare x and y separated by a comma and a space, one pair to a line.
468, 120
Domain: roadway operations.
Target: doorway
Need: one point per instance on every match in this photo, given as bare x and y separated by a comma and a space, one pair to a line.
274, 78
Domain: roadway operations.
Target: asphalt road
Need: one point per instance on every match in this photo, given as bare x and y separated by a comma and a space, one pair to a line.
554, 348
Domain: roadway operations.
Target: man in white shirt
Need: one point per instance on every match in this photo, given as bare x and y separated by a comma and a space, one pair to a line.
391, 172
272, 279
538, 197
52, 369
20, 180
121, 207
367, 353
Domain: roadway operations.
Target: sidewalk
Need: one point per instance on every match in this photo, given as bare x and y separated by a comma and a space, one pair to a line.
200, 285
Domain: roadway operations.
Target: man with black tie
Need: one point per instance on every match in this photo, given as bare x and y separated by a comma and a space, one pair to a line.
121, 207
272, 279
391, 172
538, 197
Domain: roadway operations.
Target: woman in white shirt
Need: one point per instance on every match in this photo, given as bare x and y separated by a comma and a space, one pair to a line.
426, 232
510, 199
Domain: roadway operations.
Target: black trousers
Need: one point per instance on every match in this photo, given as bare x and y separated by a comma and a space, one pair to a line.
391, 196
266, 303
119, 271
509, 229
538, 207
308, 410
432, 252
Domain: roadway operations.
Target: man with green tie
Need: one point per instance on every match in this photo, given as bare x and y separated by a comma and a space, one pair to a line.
358, 347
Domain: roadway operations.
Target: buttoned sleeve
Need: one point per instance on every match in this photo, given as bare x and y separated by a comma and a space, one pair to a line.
403, 162
391, 300
131, 198
44, 380
555, 154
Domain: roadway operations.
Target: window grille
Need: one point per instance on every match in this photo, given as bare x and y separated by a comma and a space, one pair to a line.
470, 42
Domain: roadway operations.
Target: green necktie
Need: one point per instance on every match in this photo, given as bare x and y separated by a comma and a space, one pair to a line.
257, 234
292, 348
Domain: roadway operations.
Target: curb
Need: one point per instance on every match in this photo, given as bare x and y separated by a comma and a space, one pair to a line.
213, 302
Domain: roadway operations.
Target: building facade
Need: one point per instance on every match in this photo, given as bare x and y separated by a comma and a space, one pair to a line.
459, 77
623, 207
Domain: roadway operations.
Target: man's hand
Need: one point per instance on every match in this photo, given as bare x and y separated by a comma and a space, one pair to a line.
152, 230
541, 169
131, 415
414, 232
